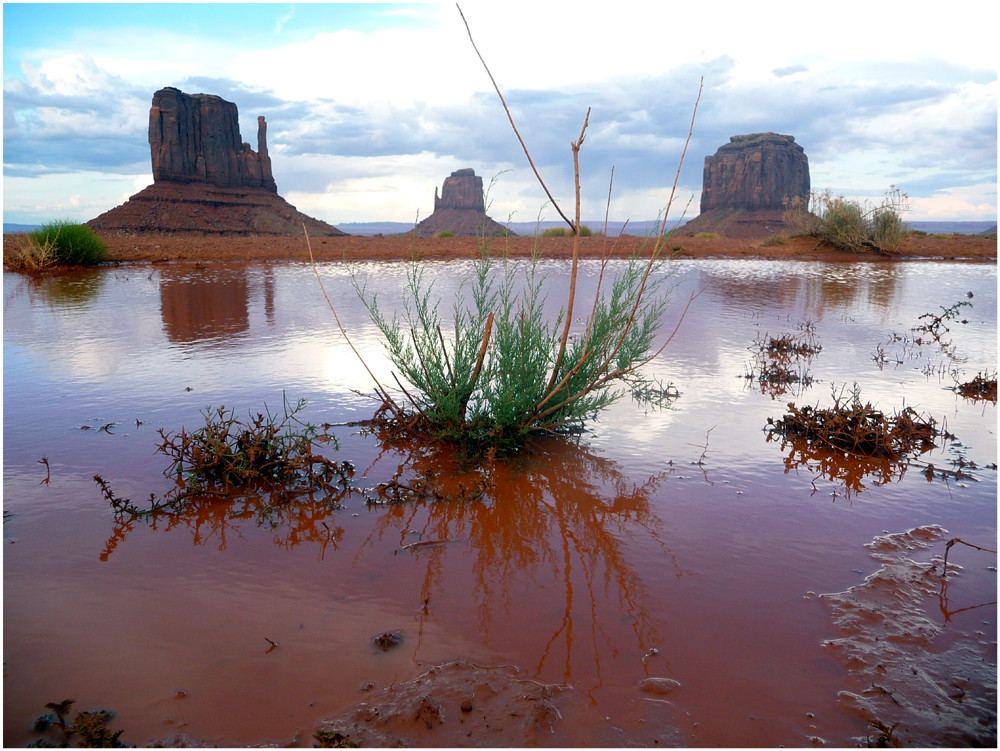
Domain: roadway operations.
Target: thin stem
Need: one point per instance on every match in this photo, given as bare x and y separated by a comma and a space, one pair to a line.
576, 254
541, 182
382, 392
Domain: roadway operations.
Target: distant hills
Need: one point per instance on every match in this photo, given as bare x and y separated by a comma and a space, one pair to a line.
632, 228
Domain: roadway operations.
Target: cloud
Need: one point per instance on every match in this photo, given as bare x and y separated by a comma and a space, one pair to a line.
371, 107
789, 70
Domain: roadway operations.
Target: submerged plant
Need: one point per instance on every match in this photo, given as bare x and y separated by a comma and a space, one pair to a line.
89, 727
778, 362
982, 387
228, 451
500, 371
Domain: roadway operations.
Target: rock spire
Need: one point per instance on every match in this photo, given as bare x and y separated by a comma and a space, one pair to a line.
205, 179
195, 138
460, 209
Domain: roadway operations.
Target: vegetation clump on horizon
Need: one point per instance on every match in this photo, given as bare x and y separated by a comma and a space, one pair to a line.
498, 372
848, 224
71, 244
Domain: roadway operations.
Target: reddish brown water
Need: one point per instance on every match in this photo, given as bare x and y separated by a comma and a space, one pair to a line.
676, 544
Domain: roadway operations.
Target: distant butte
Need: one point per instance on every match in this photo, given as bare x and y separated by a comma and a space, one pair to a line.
205, 179
460, 209
746, 183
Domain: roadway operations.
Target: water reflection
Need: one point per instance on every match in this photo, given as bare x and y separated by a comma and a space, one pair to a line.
558, 526
204, 306
69, 288
214, 519
824, 288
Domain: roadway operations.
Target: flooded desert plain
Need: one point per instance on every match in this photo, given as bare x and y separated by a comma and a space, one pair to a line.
676, 576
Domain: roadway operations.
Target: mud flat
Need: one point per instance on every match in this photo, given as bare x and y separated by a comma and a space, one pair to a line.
177, 247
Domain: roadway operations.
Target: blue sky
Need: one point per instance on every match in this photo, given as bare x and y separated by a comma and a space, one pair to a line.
370, 106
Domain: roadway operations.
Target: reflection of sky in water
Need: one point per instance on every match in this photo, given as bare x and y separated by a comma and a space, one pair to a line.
146, 335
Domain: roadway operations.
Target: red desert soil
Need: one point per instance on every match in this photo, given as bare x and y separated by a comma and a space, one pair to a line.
153, 248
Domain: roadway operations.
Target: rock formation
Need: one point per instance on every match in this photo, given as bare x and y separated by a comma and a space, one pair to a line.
205, 179
195, 138
746, 184
460, 209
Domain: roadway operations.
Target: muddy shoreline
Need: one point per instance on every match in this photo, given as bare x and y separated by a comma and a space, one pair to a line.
174, 247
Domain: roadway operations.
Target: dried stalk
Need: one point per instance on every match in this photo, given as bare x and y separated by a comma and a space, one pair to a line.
379, 389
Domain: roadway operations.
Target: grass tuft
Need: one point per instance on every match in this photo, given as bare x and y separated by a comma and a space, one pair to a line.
71, 244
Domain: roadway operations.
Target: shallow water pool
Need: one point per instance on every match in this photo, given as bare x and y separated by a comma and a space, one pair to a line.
678, 543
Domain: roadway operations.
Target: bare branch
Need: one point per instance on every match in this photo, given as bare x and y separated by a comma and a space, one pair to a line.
511, 118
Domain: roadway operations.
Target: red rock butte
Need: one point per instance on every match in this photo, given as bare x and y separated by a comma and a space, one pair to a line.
460, 209
746, 184
205, 179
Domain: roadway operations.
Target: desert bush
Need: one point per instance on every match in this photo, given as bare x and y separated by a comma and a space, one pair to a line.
27, 255
266, 452
797, 217
851, 225
585, 231
498, 372
72, 244
445, 233
708, 236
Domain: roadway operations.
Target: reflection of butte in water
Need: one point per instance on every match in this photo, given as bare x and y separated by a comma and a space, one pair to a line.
195, 309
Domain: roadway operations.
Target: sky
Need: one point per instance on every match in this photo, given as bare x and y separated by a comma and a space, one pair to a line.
371, 106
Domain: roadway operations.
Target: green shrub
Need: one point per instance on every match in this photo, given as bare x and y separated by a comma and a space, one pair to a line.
502, 376
73, 244
585, 231
850, 225
498, 370
445, 233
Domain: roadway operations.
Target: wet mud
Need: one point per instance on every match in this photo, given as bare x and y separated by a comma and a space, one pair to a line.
923, 675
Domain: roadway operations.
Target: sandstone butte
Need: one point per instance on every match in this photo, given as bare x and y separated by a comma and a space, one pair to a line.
460, 209
205, 179
746, 184
213, 197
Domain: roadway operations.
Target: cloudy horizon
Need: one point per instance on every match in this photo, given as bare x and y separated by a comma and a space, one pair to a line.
369, 107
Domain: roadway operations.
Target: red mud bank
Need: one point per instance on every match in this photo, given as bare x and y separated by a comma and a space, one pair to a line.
177, 247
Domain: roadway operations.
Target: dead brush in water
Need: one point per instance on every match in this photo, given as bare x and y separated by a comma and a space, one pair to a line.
982, 388
777, 362
228, 452
270, 453
857, 428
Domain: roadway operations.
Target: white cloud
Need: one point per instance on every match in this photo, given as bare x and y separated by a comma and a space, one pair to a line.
957, 204
873, 103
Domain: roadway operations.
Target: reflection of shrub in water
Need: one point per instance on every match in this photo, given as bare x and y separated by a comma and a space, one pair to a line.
559, 521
